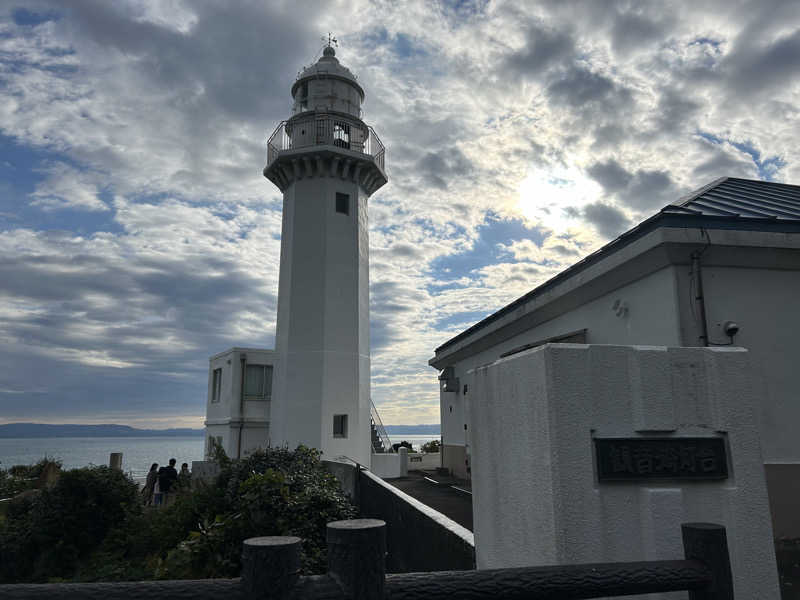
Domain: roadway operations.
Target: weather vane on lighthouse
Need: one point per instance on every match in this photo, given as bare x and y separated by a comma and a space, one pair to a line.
332, 41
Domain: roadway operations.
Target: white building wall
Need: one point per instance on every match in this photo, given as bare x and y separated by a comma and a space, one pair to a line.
766, 305
229, 418
539, 412
652, 317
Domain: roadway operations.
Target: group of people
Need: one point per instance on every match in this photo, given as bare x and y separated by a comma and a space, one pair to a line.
163, 481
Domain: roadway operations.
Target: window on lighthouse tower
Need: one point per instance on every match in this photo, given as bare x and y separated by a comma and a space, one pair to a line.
343, 203
340, 426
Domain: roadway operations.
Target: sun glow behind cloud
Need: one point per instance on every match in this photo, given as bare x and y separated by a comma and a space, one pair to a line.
555, 197
138, 235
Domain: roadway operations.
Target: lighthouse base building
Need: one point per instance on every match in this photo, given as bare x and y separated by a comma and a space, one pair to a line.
313, 388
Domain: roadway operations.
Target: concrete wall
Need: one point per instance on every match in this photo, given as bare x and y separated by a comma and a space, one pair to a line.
418, 537
533, 456
651, 318
347, 475
390, 465
454, 458
427, 460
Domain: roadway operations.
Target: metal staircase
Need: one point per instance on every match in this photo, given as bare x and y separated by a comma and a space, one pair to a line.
380, 439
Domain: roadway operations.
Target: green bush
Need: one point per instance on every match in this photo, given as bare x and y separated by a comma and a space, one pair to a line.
19, 478
91, 526
432, 446
47, 534
272, 492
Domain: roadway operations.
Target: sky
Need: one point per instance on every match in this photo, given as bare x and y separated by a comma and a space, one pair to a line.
138, 236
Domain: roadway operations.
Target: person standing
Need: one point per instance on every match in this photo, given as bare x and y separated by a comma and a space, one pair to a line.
167, 476
185, 478
149, 485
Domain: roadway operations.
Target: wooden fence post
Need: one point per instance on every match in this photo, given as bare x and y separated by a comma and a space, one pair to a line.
357, 557
270, 567
708, 543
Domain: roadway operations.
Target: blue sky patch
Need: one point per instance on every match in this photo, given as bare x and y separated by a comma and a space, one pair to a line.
24, 17
21, 169
485, 251
768, 168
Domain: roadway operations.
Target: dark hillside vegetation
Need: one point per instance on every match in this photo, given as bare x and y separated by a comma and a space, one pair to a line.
91, 524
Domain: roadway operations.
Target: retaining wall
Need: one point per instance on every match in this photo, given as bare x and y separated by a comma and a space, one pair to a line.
418, 538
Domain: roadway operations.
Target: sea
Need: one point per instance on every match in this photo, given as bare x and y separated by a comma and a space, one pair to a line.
138, 453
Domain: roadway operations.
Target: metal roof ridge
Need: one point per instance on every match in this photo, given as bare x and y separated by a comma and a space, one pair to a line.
761, 181
683, 200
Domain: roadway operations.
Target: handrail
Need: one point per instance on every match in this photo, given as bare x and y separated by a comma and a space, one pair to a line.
383, 444
327, 129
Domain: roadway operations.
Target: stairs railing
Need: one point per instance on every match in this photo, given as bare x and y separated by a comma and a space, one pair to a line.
380, 439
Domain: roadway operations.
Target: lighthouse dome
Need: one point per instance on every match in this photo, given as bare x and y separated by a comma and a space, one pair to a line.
327, 85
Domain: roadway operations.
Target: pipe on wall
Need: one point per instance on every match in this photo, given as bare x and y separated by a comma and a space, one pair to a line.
243, 361
699, 299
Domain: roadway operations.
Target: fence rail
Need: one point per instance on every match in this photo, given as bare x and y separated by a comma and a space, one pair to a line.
325, 130
356, 570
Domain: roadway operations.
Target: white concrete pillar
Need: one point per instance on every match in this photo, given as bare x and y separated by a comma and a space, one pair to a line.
554, 426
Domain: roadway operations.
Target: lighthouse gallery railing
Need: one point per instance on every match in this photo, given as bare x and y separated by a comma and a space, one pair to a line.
325, 130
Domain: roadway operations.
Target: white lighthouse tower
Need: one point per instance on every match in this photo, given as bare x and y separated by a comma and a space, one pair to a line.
327, 162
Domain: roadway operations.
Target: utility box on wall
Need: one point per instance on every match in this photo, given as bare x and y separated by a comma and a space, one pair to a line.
599, 453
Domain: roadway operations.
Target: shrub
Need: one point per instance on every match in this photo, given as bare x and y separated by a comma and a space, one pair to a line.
403, 444
23, 477
275, 491
432, 446
46, 535
91, 526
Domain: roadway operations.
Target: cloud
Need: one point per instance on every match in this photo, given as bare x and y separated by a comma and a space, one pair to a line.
611, 175
138, 235
68, 188
755, 68
544, 47
608, 220
635, 31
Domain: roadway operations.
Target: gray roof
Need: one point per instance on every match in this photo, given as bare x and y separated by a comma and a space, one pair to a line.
733, 197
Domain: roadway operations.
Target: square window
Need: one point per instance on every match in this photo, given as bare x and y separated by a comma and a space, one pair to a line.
340, 426
343, 203
258, 382
216, 385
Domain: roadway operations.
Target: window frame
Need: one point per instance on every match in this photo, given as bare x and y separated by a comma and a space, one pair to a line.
265, 394
345, 202
341, 432
216, 385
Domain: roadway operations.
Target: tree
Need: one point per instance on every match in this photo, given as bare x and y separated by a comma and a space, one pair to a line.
432, 446
403, 444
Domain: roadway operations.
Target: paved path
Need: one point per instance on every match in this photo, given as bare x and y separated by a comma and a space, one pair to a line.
440, 494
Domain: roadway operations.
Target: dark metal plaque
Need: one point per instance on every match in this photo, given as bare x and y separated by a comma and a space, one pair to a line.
631, 459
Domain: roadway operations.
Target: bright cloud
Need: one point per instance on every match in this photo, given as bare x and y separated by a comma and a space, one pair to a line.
138, 236
556, 197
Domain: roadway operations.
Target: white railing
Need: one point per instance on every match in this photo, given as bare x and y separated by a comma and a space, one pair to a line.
380, 439
325, 129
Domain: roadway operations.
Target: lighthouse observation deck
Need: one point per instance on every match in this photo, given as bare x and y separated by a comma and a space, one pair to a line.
303, 132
